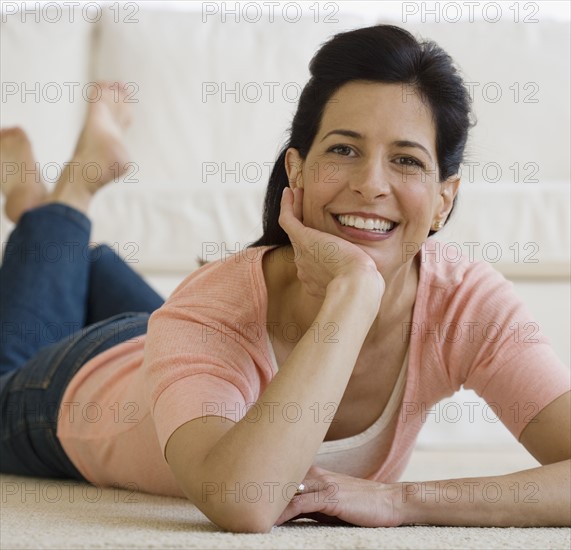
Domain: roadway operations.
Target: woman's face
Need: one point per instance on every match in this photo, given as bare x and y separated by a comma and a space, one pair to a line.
371, 175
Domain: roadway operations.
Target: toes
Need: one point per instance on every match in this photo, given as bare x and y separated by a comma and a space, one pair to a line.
14, 134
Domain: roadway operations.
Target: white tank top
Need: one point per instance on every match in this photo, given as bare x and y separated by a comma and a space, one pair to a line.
361, 454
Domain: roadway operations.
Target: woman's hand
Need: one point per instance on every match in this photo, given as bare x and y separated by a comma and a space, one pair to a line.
321, 257
330, 497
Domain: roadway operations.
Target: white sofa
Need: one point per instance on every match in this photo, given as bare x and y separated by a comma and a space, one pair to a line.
212, 101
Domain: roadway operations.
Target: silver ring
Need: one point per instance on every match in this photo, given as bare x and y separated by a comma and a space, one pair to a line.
300, 490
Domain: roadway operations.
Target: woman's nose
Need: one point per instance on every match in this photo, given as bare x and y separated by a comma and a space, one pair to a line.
372, 181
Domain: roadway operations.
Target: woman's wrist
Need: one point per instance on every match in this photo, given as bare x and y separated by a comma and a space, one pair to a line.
394, 499
403, 498
365, 292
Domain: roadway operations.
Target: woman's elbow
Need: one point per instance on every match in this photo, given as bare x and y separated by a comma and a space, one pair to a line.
248, 525
240, 517
252, 521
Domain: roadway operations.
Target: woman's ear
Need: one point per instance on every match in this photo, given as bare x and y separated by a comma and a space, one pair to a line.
448, 191
294, 168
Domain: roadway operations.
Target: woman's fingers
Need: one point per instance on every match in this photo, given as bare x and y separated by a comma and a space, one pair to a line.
331, 497
288, 219
317, 500
323, 518
320, 256
298, 203
301, 505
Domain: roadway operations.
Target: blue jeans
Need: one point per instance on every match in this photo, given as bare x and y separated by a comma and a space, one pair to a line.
62, 302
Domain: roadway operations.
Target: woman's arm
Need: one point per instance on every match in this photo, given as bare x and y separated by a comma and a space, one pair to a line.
242, 475
537, 497
531, 498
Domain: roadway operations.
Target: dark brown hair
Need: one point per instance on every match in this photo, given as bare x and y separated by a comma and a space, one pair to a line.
382, 53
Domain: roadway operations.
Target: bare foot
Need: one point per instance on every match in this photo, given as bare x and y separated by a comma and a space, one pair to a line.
100, 155
21, 181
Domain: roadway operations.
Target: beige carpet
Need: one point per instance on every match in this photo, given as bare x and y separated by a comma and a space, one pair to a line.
41, 513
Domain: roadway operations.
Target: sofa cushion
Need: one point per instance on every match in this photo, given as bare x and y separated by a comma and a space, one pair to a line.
45, 77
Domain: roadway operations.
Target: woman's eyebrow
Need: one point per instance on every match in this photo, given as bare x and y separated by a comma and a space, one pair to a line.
406, 143
398, 143
348, 133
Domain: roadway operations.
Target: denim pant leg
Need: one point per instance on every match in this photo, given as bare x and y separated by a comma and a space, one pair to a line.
51, 284
115, 288
31, 396
43, 282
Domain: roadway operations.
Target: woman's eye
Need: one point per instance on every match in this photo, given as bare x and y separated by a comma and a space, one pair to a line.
410, 161
343, 150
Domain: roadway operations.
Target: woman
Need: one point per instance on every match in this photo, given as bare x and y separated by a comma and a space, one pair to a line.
308, 357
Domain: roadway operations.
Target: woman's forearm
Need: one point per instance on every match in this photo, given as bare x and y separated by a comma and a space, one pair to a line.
271, 449
536, 497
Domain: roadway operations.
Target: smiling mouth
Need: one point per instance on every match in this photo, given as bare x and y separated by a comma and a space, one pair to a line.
376, 225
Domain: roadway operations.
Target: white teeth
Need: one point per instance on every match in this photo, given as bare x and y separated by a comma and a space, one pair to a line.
368, 224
